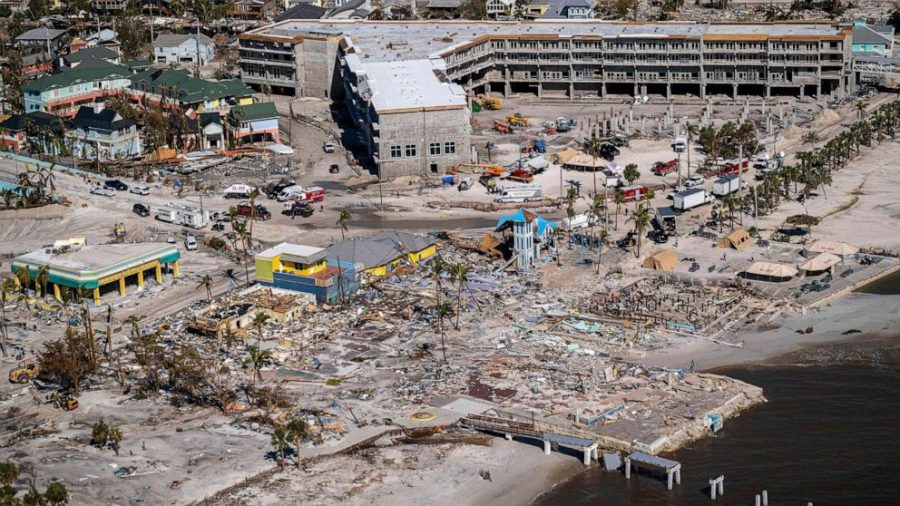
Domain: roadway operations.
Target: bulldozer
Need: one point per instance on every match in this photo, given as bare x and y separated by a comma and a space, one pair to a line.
26, 372
119, 231
62, 401
489, 103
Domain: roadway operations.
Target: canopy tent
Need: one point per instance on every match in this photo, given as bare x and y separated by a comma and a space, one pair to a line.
583, 161
821, 263
738, 239
837, 248
664, 260
770, 271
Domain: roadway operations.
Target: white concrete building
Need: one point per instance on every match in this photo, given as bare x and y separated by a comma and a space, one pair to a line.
173, 48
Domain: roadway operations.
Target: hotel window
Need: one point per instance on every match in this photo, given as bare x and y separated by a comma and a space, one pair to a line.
434, 148
396, 151
411, 150
449, 148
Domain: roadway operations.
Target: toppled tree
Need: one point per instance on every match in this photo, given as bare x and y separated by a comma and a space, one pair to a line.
66, 361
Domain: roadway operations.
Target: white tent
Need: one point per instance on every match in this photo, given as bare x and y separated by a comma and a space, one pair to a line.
822, 262
838, 248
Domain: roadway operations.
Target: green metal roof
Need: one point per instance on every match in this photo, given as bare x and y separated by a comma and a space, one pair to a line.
187, 89
76, 76
253, 112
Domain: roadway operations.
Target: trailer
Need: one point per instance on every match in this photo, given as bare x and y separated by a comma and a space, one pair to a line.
726, 185
525, 193
180, 214
680, 145
689, 199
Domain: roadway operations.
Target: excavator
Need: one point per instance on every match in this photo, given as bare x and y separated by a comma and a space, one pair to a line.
26, 372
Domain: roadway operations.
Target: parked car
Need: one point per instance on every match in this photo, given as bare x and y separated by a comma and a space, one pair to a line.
141, 210
328, 147
170, 239
694, 181
334, 169
300, 209
220, 216
115, 184
102, 190
609, 152
260, 212
140, 189
190, 243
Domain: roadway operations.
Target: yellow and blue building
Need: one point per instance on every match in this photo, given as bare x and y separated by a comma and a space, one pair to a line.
380, 254
306, 269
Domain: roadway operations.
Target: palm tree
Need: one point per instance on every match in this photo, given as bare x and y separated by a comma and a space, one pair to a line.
602, 240
594, 213
297, 430
206, 282
256, 360
861, 107
641, 219
133, 320
459, 274
6, 288
690, 130
259, 320
437, 268
592, 147
343, 220
810, 138
442, 311
280, 442
620, 200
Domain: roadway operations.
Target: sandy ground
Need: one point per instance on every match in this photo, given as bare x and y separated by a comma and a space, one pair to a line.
427, 475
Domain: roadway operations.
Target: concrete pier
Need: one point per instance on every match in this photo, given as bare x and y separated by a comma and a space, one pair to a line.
716, 487
671, 467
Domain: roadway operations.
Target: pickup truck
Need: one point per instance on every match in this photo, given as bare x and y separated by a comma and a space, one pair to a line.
663, 168
102, 190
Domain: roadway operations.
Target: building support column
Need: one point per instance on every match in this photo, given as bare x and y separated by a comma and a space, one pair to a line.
768, 91
158, 272
603, 90
140, 276
636, 91
734, 93
546, 447
175, 271
540, 90
122, 287
507, 89
571, 91
802, 91
97, 296
702, 91
668, 91
587, 455
819, 91
487, 88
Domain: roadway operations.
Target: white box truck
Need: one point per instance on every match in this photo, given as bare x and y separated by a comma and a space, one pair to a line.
726, 185
690, 199
179, 214
525, 193
291, 192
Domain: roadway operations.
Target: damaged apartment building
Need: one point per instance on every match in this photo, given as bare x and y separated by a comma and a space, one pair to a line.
406, 83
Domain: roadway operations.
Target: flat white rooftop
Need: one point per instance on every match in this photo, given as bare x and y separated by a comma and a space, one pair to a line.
298, 251
409, 84
392, 41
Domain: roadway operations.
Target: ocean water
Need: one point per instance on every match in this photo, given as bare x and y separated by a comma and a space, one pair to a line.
828, 435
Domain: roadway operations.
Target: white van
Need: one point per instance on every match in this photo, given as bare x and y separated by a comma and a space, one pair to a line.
190, 243
291, 192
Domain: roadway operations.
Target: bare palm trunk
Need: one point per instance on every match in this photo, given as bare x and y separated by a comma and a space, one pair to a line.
459, 301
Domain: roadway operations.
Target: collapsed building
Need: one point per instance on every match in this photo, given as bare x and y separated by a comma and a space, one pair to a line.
235, 313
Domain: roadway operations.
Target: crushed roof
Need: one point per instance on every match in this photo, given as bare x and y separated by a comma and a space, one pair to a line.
379, 249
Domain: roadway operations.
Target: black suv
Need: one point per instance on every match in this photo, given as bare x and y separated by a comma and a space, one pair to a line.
608, 152
141, 210
115, 184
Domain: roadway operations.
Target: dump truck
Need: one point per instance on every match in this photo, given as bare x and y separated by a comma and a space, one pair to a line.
689, 199
26, 372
